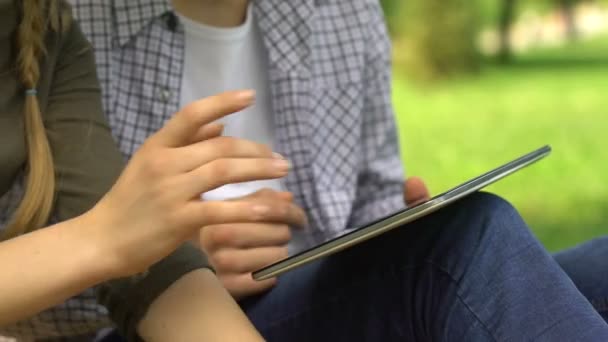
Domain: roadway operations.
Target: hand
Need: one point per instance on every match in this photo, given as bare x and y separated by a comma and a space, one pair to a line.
236, 250
415, 191
155, 204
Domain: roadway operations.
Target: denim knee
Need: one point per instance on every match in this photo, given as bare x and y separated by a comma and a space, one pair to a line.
480, 231
493, 215
488, 204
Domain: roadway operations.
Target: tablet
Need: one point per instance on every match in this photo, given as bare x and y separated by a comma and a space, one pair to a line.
398, 219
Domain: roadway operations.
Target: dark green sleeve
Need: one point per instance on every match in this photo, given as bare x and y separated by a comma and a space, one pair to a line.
87, 163
87, 160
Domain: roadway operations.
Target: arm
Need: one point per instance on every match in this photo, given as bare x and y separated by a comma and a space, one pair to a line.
380, 181
196, 308
45, 267
88, 162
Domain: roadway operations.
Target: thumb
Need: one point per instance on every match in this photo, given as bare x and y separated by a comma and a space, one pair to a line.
415, 191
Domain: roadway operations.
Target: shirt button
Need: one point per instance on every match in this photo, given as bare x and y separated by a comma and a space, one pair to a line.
165, 95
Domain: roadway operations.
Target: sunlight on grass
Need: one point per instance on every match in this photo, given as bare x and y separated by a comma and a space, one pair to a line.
461, 128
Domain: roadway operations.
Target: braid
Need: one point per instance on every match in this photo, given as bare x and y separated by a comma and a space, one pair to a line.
30, 41
35, 208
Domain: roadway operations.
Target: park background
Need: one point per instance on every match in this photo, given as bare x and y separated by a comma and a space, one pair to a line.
480, 82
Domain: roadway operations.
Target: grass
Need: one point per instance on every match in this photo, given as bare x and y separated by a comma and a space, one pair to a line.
457, 129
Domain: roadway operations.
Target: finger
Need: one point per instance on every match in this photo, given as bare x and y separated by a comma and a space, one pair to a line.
246, 260
287, 212
220, 172
286, 196
269, 194
416, 191
210, 131
243, 236
196, 155
243, 285
196, 214
283, 211
185, 124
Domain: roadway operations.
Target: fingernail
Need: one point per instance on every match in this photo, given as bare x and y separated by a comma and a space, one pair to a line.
277, 156
246, 96
282, 165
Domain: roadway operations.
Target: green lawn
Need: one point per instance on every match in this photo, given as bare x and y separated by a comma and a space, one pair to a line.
458, 129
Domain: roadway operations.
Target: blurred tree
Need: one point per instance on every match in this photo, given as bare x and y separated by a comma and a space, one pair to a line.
392, 11
568, 7
439, 38
506, 18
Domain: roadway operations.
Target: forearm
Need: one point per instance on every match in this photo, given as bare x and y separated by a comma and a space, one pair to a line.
196, 308
46, 267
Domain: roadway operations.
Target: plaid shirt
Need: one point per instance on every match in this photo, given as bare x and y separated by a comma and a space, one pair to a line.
329, 72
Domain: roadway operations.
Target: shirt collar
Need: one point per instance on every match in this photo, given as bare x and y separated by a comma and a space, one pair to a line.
286, 27
133, 15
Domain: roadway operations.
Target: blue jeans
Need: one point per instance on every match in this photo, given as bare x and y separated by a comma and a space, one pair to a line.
470, 272
587, 266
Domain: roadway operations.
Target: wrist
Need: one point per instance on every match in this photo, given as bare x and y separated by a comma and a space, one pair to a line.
105, 263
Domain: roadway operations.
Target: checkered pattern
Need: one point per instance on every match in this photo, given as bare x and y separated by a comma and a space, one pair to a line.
330, 83
77, 319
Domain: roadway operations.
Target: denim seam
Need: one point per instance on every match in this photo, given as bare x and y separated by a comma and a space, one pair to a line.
539, 335
441, 268
458, 296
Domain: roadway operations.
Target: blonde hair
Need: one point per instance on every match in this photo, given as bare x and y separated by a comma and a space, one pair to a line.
37, 17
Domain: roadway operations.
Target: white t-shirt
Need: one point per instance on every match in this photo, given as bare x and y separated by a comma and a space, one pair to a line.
223, 59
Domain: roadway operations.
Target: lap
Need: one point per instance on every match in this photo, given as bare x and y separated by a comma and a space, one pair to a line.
471, 270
